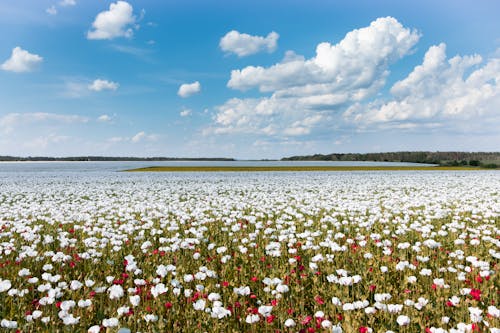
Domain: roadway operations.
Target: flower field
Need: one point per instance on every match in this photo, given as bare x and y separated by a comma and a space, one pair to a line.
277, 252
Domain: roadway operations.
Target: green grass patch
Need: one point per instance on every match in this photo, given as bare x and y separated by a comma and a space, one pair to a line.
298, 168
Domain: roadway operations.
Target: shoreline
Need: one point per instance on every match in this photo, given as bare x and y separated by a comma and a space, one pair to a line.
297, 168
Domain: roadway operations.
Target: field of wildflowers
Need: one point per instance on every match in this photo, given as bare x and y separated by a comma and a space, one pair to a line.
287, 252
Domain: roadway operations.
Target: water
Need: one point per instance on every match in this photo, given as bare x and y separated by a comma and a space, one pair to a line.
115, 166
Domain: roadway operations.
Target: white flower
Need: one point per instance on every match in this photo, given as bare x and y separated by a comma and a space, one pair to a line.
70, 320
135, 300
282, 288
411, 279
475, 314
494, 311
84, 303
94, 329
150, 318
252, 318
75, 285
265, 310
115, 291
199, 305
8, 324
5, 285
24, 272
110, 322
289, 322
403, 320
218, 311
243, 291
337, 329
158, 290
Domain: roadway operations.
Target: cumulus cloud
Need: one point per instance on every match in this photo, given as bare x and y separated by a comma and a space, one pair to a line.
305, 93
104, 118
100, 85
65, 3
21, 61
189, 89
113, 23
243, 44
51, 10
462, 87
186, 113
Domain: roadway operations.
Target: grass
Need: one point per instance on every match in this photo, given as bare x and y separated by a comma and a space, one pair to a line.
297, 168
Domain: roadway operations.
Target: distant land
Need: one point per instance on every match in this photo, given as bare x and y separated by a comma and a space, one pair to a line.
444, 158
106, 158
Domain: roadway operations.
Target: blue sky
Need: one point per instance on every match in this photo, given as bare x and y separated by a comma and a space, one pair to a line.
247, 79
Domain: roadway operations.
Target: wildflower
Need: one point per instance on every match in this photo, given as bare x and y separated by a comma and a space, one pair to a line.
5, 285
403, 320
290, 322
252, 318
115, 292
199, 305
134, 300
110, 322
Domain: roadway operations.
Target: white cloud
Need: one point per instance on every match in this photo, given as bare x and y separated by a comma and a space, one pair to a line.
104, 118
244, 44
21, 61
115, 22
138, 137
305, 94
65, 3
100, 85
186, 112
10, 121
189, 89
436, 90
51, 10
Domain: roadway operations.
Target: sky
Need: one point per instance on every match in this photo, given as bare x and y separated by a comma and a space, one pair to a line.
247, 79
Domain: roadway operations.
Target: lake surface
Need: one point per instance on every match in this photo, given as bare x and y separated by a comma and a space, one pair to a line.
115, 166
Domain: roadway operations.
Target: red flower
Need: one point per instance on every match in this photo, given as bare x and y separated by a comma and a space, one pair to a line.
168, 305
306, 320
479, 279
373, 287
225, 283
319, 300
448, 303
270, 319
254, 279
476, 294
274, 302
363, 329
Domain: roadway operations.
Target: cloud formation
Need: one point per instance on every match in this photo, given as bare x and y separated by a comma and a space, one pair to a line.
21, 61
306, 93
462, 87
186, 113
51, 10
189, 89
113, 23
66, 3
243, 44
100, 85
